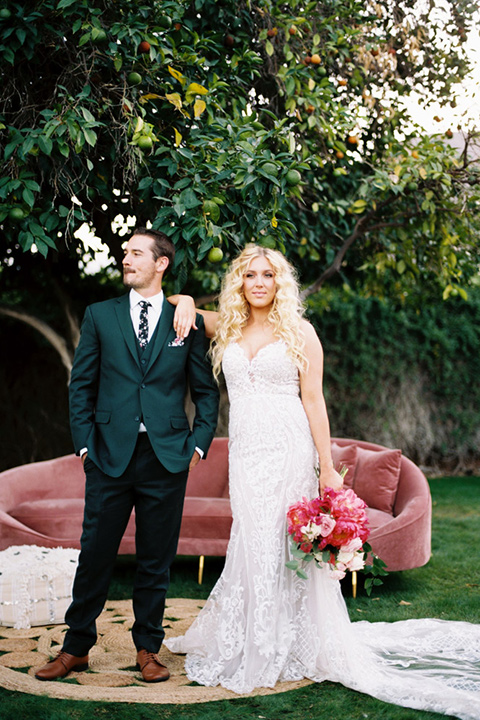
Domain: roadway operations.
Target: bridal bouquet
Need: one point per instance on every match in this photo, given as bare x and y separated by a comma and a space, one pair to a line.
332, 531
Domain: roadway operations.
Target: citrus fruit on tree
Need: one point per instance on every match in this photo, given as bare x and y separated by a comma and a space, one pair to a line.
145, 142
164, 22
215, 255
270, 168
134, 78
293, 177
16, 214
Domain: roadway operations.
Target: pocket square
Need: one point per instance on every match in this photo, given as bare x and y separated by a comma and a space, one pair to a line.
178, 342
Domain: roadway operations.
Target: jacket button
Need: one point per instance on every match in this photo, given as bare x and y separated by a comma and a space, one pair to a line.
137, 419
143, 386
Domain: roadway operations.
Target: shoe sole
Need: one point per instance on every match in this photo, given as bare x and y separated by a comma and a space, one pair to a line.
77, 668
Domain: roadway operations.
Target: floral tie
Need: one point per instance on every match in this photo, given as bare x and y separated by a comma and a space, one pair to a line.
143, 327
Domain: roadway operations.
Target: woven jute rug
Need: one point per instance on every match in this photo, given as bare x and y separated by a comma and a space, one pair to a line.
112, 675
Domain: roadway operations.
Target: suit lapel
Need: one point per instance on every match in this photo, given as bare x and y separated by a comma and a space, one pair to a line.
164, 327
122, 308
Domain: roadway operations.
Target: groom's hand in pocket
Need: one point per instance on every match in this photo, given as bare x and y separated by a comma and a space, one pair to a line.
195, 460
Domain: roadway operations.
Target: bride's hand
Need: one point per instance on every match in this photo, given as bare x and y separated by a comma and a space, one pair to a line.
185, 315
330, 478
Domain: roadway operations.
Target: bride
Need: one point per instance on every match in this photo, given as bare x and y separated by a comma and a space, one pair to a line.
263, 624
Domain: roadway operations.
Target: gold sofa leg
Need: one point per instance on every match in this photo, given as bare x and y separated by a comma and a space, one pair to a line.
201, 562
354, 583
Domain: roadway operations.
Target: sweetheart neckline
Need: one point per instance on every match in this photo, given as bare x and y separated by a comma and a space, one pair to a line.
264, 347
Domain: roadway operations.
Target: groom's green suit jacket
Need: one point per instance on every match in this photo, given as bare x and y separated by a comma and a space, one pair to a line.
113, 388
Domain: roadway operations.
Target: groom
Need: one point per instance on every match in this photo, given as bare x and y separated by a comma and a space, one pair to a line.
128, 422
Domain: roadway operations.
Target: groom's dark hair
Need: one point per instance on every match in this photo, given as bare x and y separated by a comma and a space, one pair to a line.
162, 245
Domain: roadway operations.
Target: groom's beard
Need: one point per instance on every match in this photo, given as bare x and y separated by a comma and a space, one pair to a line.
137, 279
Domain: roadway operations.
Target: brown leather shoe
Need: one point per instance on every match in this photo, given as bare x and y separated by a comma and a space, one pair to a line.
151, 667
61, 665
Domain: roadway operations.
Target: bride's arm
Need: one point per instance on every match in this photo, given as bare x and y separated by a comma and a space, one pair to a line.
185, 312
311, 386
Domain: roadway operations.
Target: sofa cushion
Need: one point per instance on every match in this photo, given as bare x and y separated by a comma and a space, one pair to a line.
376, 477
205, 517
377, 519
54, 517
345, 455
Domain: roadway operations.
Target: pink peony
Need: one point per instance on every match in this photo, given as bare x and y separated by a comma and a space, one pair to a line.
336, 523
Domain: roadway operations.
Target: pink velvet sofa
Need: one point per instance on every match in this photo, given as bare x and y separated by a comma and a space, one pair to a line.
42, 504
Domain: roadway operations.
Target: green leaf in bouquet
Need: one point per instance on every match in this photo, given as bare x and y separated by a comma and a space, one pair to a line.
292, 564
297, 553
302, 574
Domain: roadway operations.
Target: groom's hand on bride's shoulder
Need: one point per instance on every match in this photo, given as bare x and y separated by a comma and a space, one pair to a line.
185, 316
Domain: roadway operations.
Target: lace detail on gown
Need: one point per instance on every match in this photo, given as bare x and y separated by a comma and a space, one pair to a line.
262, 624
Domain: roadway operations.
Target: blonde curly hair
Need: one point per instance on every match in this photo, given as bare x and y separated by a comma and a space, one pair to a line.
233, 310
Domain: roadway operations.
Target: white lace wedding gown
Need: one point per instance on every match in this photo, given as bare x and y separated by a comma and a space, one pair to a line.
262, 624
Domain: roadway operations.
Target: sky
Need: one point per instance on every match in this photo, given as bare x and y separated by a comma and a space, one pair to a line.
467, 112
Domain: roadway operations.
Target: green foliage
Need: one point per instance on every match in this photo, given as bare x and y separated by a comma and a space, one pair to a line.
402, 376
222, 122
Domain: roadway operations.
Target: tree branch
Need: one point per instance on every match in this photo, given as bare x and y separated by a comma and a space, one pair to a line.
358, 231
56, 340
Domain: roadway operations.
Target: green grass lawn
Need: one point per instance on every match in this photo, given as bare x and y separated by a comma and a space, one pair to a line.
448, 587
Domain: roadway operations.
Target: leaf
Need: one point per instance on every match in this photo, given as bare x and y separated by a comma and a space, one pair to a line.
84, 39
87, 115
21, 35
269, 48
189, 199
199, 107
175, 99
196, 89
28, 197
291, 564
149, 96
32, 185
65, 4
178, 137
359, 206
45, 144
423, 173
177, 75
90, 136
42, 247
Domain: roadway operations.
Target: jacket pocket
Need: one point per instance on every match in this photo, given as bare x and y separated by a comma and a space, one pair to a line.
102, 416
179, 423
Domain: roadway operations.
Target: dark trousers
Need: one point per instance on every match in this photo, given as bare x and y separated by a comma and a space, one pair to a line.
157, 496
